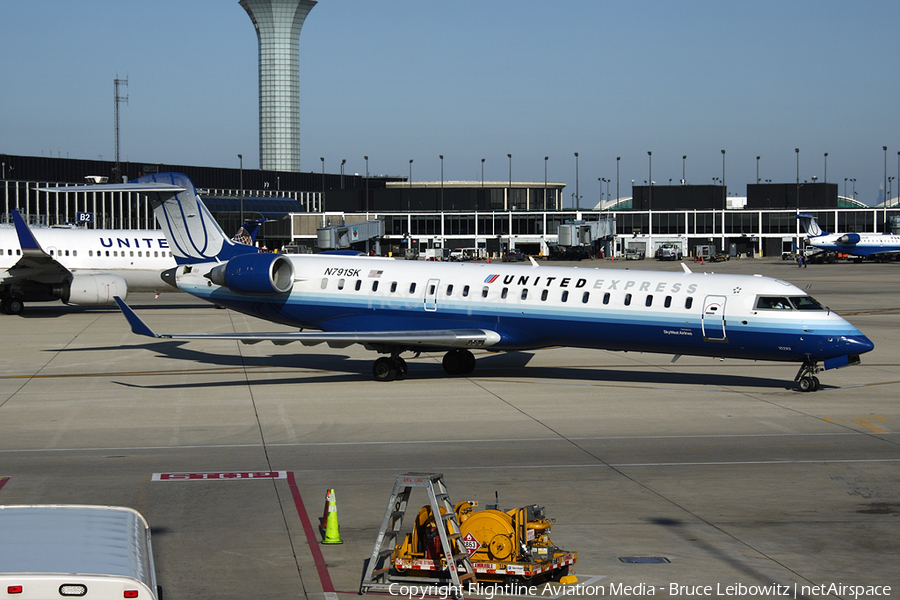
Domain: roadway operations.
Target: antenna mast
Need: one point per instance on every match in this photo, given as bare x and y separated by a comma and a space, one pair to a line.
118, 100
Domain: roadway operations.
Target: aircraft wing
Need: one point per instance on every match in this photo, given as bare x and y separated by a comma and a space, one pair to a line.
35, 262
440, 338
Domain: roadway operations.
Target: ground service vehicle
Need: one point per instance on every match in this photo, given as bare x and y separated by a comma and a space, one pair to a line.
89, 552
503, 547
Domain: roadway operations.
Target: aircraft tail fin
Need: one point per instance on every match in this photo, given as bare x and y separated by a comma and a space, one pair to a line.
246, 233
809, 225
193, 234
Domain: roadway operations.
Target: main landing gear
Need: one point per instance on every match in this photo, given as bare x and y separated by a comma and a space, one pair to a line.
806, 377
11, 306
456, 362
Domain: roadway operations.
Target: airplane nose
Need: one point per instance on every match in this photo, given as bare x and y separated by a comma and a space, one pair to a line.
169, 276
859, 344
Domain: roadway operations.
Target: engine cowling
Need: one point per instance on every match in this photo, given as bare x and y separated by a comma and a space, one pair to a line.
255, 274
92, 290
849, 238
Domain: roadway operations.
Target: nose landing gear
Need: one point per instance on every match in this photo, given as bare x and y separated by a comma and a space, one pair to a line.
806, 377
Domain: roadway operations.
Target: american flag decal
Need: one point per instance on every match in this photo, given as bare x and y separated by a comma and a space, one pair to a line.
491, 278
375, 273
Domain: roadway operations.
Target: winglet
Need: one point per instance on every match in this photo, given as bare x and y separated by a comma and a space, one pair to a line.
686, 268
137, 325
533, 262
26, 239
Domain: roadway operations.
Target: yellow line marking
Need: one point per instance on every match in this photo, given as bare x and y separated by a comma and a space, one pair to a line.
863, 421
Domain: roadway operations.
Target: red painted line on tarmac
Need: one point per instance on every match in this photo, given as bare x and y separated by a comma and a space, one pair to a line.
311, 537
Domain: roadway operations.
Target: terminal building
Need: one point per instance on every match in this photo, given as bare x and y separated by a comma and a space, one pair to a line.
493, 216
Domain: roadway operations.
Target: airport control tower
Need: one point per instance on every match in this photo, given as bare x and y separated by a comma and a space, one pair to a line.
278, 24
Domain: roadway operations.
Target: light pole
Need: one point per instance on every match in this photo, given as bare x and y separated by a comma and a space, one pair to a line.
618, 158
241, 159
322, 158
757, 169
343, 162
509, 192
724, 193
409, 195
367, 182
410, 173
442, 185
577, 197
885, 190
650, 198
797, 152
825, 175
482, 173
683, 160
546, 158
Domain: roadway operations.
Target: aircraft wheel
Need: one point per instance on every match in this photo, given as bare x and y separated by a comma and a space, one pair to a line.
805, 384
468, 362
815, 382
453, 362
14, 307
401, 367
384, 369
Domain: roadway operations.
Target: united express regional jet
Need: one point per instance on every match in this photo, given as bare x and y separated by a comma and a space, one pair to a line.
394, 306
85, 267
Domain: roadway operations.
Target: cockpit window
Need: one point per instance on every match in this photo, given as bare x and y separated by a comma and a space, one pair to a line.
805, 303
773, 303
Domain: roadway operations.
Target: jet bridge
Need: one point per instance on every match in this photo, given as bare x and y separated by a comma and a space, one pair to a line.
336, 237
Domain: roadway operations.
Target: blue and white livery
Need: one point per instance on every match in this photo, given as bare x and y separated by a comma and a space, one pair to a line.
395, 306
866, 245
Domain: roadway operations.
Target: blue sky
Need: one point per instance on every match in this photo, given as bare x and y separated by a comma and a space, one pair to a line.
472, 79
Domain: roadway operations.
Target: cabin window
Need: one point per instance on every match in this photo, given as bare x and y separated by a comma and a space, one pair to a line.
156, 254
18, 252
627, 299
668, 301
358, 284
466, 292
51, 253
115, 253
504, 293
565, 296
412, 288
649, 300
689, 302
393, 286
340, 284
130, 253
544, 295
585, 297
74, 252
67, 252
773, 303
450, 289
139, 254
606, 298
375, 286
90, 252
524, 293
484, 292
805, 303
324, 282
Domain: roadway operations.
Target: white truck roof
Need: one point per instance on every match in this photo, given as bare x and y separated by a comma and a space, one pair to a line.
75, 541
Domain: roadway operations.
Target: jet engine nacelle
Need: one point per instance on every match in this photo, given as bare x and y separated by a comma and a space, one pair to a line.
849, 238
92, 290
255, 274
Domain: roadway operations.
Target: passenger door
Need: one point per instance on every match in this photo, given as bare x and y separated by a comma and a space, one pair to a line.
713, 320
